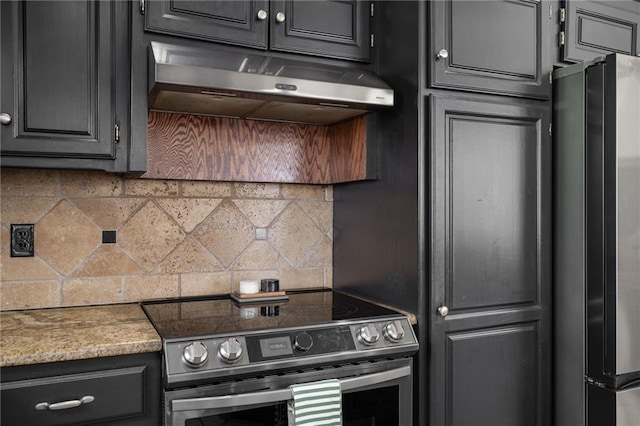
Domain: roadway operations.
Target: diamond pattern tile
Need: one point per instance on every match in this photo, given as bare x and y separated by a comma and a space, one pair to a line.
25, 268
108, 213
25, 210
320, 255
149, 236
190, 256
293, 234
65, 236
259, 255
261, 212
189, 212
320, 212
225, 233
107, 260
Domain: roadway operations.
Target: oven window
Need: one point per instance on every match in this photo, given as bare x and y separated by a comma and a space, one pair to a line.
365, 408
266, 416
372, 407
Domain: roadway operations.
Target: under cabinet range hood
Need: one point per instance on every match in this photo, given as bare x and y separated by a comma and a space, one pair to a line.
234, 84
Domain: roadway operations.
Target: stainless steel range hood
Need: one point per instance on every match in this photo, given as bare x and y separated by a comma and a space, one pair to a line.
256, 86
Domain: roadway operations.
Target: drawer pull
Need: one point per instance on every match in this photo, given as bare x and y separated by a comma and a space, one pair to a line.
65, 404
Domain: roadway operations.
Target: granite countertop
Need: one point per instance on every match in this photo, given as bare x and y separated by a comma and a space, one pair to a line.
65, 334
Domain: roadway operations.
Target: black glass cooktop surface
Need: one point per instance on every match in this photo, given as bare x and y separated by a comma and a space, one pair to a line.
201, 317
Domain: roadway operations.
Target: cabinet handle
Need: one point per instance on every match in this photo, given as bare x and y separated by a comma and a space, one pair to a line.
65, 404
443, 310
262, 15
280, 17
5, 118
442, 54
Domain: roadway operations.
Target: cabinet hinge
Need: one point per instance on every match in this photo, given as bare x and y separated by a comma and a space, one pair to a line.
550, 77
561, 38
371, 40
550, 12
550, 129
372, 11
116, 132
563, 15
142, 6
595, 382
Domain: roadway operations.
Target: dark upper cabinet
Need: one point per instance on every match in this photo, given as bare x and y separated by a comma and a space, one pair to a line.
328, 28
242, 23
65, 84
338, 29
597, 28
490, 283
490, 46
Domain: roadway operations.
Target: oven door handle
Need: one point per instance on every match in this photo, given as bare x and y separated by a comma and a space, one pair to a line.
282, 395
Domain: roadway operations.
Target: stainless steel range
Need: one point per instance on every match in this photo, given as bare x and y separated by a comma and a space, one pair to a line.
230, 363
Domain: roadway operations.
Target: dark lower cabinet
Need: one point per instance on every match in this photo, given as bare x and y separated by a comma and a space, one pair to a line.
489, 256
123, 390
65, 84
597, 28
327, 28
499, 47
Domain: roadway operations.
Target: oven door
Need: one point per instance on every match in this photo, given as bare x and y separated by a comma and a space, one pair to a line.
373, 393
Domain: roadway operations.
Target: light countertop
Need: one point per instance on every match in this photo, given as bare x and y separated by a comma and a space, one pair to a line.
66, 334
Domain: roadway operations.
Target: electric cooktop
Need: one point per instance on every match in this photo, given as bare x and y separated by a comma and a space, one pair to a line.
200, 317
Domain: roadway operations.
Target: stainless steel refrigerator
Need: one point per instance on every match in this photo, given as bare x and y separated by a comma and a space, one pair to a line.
596, 139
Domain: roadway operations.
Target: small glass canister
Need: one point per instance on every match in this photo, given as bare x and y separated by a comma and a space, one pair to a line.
269, 285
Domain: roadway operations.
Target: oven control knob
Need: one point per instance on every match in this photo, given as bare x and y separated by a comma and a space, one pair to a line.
393, 331
368, 334
195, 354
230, 350
303, 342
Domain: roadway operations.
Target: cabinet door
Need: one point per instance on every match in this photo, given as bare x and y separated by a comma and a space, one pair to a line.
490, 235
58, 80
490, 46
331, 28
241, 22
597, 28
123, 390
100, 395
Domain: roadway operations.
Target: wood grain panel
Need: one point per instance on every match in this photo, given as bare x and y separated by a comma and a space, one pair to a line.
183, 146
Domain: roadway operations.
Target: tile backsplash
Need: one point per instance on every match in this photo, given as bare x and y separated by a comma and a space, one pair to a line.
173, 238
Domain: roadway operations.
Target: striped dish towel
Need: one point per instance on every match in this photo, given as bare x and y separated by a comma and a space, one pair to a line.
316, 404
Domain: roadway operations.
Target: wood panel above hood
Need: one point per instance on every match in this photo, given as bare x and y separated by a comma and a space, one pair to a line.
195, 147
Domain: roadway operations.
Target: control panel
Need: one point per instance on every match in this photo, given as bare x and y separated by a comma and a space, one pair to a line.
291, 347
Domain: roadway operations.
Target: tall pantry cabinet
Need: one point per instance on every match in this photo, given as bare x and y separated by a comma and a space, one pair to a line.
457, 227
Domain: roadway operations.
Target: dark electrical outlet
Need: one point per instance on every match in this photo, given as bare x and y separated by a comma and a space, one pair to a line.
21, 240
